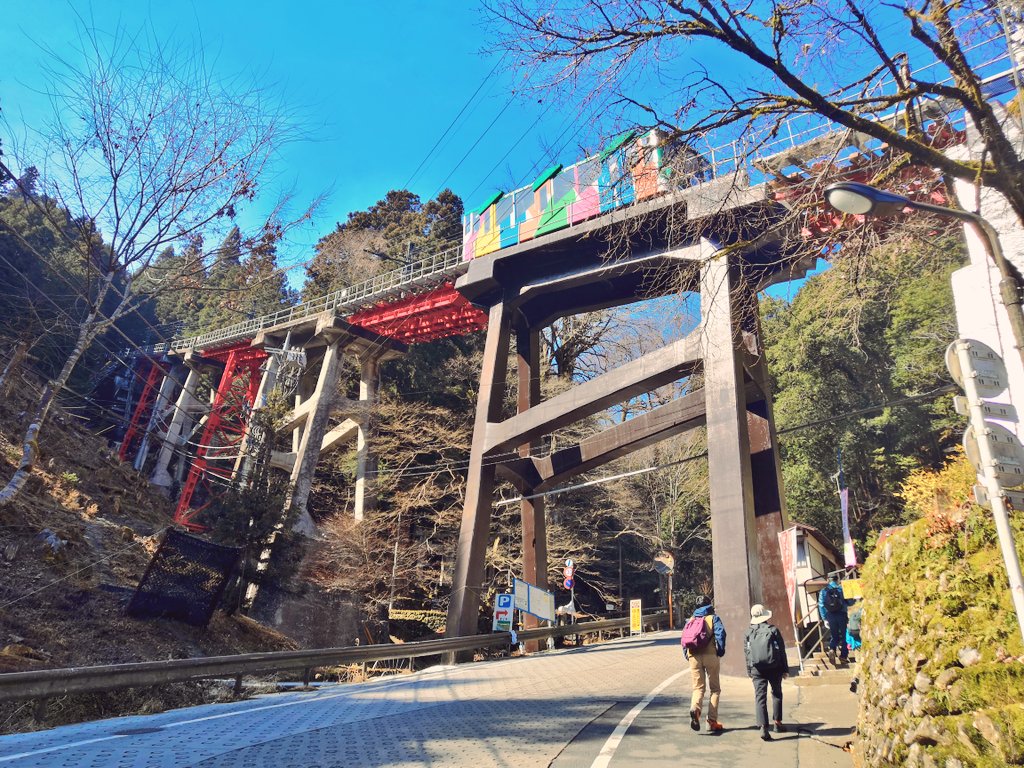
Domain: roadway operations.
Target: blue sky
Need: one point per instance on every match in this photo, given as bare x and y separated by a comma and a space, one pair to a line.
375, 87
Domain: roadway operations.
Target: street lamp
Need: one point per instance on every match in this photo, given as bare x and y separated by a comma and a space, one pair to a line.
863, 200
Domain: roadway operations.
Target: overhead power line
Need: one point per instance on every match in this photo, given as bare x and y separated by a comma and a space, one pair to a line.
931, 395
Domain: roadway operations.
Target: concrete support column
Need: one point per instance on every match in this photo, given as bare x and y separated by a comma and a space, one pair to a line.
531, 511
164, 398
297, 432
734, 545
243, 464
181, 423
312, 436
463, 608
366, 463
769, 510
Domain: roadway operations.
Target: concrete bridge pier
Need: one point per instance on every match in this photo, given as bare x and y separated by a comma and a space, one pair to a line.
654, 250
317, 402
467, 576
366, 460
268, 381
744, 480
163, 403
531, 510
179, 427
311, 431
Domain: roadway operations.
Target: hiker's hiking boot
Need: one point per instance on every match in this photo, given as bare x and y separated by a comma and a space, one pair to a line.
714, 725
779, 727
765, 736
695, 718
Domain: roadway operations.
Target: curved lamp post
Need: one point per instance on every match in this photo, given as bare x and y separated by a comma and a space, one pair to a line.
852, 197
861, 199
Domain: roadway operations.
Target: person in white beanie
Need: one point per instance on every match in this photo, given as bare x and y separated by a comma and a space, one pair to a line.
765, 653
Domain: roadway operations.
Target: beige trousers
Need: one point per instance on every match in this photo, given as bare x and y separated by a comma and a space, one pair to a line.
705, 663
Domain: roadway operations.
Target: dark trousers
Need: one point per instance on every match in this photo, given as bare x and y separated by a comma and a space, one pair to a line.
837, 633
761, 683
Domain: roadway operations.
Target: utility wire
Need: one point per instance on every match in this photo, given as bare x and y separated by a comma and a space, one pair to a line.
931, 395
451, 125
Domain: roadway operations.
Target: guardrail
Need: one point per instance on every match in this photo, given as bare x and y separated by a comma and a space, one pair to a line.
422, 273
48, 683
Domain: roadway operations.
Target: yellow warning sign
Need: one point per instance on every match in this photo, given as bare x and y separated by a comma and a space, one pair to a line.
852, 589
636, 623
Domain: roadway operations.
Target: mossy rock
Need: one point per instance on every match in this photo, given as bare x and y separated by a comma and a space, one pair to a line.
416, 625
936, 604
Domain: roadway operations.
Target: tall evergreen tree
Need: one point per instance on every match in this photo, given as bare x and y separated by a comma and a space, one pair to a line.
382, 238
867, 332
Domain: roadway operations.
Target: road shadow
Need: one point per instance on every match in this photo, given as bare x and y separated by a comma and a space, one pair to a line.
817, 729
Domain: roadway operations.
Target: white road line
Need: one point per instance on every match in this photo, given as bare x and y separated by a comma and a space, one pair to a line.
8, 758
394, 682
608, 750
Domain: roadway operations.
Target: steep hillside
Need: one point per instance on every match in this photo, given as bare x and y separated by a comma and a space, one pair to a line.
942, 674
72, 547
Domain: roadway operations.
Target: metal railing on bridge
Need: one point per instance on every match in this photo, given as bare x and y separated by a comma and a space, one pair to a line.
424, 273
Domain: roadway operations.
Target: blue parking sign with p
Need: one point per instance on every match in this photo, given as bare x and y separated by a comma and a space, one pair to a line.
503, 607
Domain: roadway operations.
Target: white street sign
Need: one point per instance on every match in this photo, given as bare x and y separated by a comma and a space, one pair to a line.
998, 411
534, 600
989, 371
1007, 452
1014, 498
503, 606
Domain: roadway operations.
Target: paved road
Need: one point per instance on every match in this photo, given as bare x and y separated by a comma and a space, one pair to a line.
618, 704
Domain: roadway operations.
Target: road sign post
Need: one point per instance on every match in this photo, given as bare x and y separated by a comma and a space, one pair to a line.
636, 622
665, 564
996, 452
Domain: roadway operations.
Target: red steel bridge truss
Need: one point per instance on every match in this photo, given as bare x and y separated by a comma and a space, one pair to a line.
220, 441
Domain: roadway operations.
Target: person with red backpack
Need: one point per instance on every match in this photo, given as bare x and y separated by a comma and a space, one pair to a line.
703, 642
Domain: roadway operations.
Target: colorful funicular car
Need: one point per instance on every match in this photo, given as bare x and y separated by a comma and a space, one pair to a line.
635, 166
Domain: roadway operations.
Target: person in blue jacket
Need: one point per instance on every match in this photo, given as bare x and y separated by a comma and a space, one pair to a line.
832, 607
705, 663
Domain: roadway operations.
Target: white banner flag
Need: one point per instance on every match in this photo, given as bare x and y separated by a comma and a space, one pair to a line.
849, 554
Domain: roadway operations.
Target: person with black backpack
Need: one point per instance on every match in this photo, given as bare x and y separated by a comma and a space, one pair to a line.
765, 652
832, 607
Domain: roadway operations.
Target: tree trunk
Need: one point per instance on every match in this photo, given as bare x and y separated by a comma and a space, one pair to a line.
88, 331
12, 365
